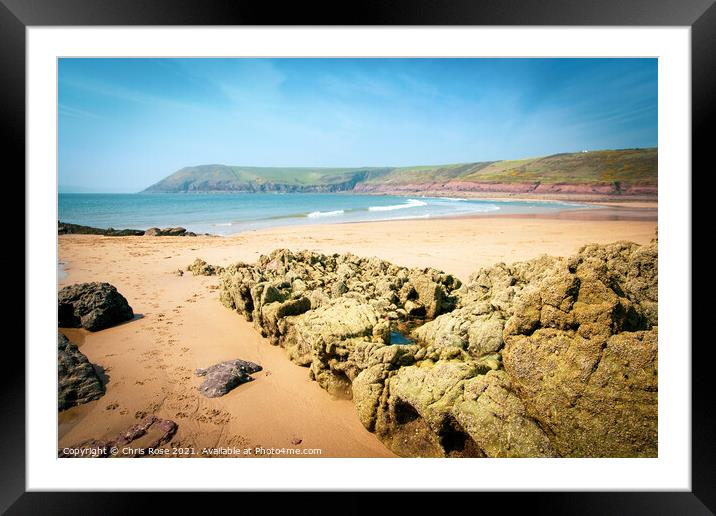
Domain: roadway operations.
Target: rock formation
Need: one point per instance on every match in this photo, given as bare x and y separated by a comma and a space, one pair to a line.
77, 379
200, 268
65, 228
581, 349
178, 231
93, 306
545, 358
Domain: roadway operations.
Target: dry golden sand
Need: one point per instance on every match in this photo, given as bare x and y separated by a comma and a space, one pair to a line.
150, 361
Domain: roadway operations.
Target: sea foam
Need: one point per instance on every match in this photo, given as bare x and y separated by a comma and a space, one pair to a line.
411, 203
317, 214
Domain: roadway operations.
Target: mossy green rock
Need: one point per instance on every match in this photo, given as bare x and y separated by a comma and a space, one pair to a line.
587, 370
544, 358
200, 268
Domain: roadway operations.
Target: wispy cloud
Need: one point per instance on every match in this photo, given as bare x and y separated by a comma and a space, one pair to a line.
124, 94
73, 112
357, 84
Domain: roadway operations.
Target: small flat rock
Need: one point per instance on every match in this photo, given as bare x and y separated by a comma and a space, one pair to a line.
225, 376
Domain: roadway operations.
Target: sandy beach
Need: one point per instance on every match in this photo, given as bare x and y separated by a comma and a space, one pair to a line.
180, 325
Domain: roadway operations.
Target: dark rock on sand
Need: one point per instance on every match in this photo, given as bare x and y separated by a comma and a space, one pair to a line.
225, 376
93, 306
152, 431
64, 228
178, 231
78, 382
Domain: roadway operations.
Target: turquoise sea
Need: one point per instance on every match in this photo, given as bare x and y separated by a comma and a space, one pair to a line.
229, 213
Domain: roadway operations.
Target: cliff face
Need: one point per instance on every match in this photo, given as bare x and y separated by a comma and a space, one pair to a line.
201, 186
512, 188
631, 172
222, 178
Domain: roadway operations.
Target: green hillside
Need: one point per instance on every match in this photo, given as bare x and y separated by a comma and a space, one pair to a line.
208, 178
635, 167
436, 173
628, 166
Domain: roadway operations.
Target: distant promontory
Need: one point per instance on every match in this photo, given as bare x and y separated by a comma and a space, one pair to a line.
606, 173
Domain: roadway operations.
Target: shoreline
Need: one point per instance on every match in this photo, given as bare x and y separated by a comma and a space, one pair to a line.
604, 210
645, 211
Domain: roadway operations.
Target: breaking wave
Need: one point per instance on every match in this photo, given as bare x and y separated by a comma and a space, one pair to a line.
317, 214
411, 203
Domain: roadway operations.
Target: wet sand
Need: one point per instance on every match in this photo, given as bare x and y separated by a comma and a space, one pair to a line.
180, 325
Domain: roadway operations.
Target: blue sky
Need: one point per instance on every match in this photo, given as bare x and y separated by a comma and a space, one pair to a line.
127, 123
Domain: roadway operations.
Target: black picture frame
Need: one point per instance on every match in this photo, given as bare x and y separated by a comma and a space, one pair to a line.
700, 15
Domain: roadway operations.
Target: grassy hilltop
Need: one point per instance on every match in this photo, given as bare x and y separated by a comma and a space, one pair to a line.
607, 172
208, 178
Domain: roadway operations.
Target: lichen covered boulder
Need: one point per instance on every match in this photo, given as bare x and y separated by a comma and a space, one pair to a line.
581, 350
450, 408
93, 306
414, 414
485, 303
200, 268
495, 418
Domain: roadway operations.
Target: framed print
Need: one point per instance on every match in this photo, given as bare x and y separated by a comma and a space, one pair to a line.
429, 243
